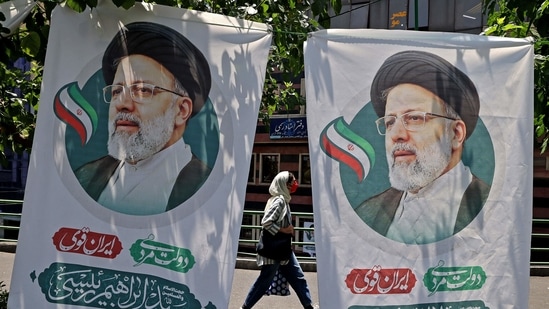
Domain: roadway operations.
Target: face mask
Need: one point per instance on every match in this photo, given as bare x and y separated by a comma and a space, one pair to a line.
294, 186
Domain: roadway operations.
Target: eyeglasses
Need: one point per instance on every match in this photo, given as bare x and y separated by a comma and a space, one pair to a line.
412, 121
139, 92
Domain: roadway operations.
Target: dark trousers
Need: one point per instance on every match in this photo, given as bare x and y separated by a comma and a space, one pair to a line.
293, 273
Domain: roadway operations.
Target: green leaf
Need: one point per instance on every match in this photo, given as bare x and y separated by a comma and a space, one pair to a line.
336, 5
490, 30
317, 7
511, 26
30, 44
126, 4
77, 5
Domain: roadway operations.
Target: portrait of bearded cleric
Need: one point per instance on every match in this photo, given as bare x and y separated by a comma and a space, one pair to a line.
156, 81
426, 108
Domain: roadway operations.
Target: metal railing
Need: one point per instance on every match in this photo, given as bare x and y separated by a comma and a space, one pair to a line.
539, 222
254, 240
534, 250
9, 226
9, 219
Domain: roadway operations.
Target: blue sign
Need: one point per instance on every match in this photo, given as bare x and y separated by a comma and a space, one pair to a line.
295, 127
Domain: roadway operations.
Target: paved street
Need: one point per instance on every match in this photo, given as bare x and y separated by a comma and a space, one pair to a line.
539, 288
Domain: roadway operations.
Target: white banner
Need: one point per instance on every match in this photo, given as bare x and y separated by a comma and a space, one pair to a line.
15, 12
139, 167
422, 184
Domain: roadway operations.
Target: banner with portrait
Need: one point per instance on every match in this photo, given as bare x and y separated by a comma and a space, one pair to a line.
422, 146
139, 164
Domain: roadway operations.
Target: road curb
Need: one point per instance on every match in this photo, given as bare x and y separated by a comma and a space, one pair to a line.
9, 247
539, 271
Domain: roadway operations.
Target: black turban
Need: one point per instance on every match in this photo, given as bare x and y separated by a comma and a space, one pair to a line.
432, 73
169, 48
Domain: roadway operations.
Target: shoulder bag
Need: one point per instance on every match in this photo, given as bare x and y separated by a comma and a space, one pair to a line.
276, 247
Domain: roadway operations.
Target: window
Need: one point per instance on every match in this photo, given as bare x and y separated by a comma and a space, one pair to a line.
304, 169
251, 173
270, 165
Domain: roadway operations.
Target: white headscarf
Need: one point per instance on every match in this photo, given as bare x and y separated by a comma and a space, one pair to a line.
279, 186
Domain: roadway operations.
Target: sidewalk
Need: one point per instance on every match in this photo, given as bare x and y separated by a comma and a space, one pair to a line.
243, 279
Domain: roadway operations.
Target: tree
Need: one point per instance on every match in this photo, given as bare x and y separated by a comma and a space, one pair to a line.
20, 89
520, 19
290, 21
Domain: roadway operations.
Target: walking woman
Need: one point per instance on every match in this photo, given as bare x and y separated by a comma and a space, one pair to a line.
276, 219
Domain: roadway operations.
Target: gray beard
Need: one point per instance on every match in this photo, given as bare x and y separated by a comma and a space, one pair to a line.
151, 137
428, 166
